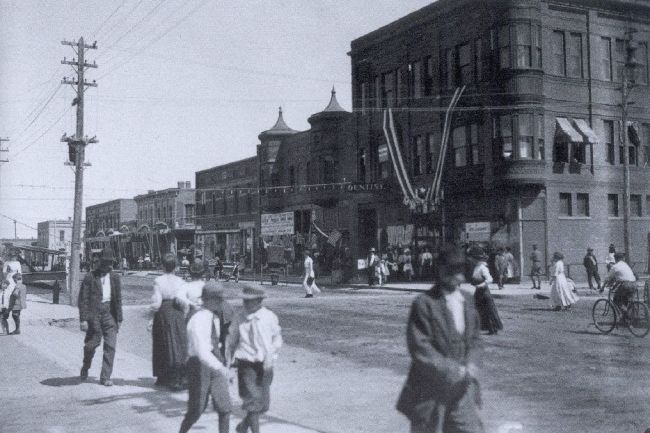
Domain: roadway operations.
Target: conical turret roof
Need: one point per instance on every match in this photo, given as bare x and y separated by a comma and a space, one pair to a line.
334, 104
280, 126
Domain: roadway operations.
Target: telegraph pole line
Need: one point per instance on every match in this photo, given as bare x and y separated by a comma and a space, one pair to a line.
76, 152
3, 160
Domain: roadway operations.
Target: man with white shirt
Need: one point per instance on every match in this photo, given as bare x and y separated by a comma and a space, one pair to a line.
256, 342
309, 282
207, 364
622, 276
441, 392
100, 315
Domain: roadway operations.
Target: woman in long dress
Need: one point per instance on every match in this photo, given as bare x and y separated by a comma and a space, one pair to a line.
562, 295
481, 279
168, 328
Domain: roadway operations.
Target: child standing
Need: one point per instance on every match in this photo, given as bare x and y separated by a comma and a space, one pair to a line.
17, 302
4, 311
256, 342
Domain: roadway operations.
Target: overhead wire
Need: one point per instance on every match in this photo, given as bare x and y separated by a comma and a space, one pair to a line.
96, 32
134, 26
52, 125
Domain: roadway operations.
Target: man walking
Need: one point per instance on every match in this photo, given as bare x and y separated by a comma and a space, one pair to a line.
100, 315
591, 267
441, 392
309, 282
207, 364
536, 268
373, 261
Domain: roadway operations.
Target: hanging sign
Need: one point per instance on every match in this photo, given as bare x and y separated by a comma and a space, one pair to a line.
477, 232
275, 224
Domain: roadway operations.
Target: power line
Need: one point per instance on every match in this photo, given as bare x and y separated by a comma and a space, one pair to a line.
125, 34
108, 18
41, 110
43, 134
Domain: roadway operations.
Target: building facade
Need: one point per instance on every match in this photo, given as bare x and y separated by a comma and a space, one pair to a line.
109, 216
57, 234
535, 151
226, 211
165, 222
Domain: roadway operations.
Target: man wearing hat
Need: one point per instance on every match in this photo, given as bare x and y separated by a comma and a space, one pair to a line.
100, 314
441, 392
256, 342
591, 267
373, 261
207, 364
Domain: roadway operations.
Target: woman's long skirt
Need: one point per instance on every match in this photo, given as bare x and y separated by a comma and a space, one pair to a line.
487, 310
169, 342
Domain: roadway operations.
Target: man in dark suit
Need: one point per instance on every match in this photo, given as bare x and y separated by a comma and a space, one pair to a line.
441, 392
100, 314
591, 267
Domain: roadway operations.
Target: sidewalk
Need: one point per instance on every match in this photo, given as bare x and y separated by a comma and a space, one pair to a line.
42, 392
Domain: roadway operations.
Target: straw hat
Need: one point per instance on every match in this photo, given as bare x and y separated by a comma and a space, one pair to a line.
250, 292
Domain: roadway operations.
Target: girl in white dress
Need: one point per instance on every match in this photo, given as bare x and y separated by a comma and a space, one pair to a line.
562, 295
10, 268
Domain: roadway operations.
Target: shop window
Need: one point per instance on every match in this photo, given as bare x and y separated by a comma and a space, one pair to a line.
504, 47
464, 55
608, 132
635, 205
605, 59
612, 205
566, 208
582, 204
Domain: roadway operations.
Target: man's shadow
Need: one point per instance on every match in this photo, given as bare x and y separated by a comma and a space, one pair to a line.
154, 399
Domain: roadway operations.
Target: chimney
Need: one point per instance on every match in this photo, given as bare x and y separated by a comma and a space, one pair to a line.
181, 185
188, 184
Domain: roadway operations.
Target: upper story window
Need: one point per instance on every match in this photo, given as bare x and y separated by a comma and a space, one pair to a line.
608, 139
361, 167
520, 46
384, 161
646, 144
526, 130
464, 56
329, 170
428, 76
450, 68
570, 145
419, 155
478, 60
292, 175
466, 145
641, 73
416, 79
605, 54
378, 92
389, 88
365, 95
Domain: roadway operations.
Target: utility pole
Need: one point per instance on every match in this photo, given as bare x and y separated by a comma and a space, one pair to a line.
76, 151
627, 86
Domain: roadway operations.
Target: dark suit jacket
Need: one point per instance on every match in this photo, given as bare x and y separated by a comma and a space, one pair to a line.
589, 264
437, 353
90, 296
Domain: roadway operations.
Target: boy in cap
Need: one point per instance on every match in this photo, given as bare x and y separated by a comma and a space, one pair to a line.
256, 342
207, 364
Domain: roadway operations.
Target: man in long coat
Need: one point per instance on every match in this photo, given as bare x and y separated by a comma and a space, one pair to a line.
100, 315
441, 392
591, 268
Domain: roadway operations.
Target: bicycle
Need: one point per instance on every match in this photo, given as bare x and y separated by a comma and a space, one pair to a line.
605, 314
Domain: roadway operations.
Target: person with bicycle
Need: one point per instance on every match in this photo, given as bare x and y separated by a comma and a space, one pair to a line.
623, 278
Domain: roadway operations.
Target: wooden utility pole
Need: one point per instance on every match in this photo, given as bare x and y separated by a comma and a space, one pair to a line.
76, 150
2, 161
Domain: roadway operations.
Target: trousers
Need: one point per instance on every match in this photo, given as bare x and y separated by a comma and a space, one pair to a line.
460, 416
103, 325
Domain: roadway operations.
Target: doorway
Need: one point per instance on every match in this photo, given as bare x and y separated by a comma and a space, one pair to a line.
367, 220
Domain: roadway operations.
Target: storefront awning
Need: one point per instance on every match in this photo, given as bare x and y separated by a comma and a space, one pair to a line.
585, 130
564, 131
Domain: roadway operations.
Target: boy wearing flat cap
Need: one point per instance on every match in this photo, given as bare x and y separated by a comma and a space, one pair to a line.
256, 342
207, 363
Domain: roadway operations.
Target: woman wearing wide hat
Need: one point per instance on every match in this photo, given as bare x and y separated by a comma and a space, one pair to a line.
168, 328
481, 279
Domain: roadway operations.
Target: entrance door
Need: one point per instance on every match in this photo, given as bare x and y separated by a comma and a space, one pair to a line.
367, 231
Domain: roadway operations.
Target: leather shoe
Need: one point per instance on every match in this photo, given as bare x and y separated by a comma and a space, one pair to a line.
241, 428
309, 295
83, 374
106, 382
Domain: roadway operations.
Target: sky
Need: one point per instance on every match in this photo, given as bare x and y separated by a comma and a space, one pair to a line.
183, 85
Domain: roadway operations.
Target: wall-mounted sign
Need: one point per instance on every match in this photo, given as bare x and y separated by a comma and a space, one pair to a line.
477, 232
274, 224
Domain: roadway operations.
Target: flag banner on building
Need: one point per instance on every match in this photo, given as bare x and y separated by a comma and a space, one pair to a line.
334, 237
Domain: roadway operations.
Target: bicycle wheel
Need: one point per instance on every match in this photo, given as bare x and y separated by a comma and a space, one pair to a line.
604, 316
638, 319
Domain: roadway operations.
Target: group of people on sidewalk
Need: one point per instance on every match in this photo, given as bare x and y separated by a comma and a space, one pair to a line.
13, 294
197, 337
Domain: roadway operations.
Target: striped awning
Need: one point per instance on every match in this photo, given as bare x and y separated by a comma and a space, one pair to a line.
585, 130
565, 132
383, 153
